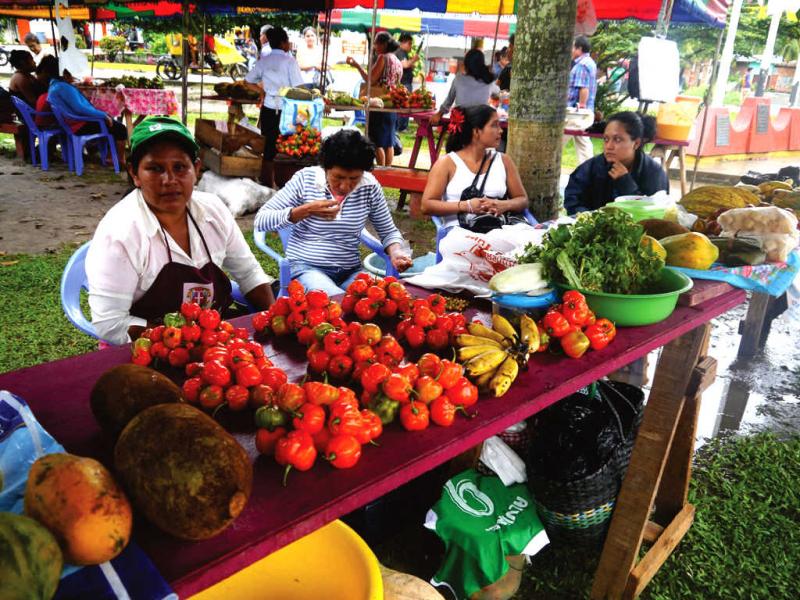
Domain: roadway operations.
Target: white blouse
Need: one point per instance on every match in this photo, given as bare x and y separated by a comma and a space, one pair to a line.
496, 185
127, 253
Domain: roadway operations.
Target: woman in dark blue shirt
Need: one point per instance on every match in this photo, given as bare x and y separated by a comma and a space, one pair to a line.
623, 169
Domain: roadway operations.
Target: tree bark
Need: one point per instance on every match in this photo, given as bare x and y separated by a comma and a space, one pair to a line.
539, 79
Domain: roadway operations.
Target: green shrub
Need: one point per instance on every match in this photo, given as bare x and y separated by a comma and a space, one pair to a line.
113, 45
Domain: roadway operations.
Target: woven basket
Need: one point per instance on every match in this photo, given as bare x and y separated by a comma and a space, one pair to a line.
579, 511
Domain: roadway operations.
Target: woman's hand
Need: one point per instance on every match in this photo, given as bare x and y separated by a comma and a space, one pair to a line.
351, 61
400, 259
436, 118
324, 209
617, 170
492, 206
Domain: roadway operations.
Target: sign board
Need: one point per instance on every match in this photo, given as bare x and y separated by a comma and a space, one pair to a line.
762, 118
723, 130
659, 68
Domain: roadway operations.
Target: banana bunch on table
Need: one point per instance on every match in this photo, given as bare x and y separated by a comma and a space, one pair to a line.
492, 356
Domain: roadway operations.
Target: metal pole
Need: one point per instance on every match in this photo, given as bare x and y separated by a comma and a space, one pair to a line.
371, 51
496, 31
185, 62
203, 64
766, 58
326, 46
714, 75
727, 55
53, 29
664, 16
92, 28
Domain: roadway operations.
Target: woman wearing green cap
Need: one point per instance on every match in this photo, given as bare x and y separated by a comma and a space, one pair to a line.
165, 243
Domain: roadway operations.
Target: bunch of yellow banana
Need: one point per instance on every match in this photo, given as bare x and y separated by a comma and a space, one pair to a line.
492, 356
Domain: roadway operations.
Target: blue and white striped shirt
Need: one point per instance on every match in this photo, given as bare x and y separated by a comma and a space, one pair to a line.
322, 242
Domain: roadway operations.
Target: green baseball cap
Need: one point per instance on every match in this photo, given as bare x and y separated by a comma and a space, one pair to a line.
154, 127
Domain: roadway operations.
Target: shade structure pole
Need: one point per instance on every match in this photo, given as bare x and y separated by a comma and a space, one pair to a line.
727, 55
767, 56
53, 29
185, 63
203, 63
92, 16
371, 52
326, 46
714, 76
664, 17
496, 31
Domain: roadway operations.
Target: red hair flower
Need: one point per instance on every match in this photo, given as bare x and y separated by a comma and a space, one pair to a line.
456, 121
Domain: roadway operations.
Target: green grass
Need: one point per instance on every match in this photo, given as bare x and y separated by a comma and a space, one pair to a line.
744, 543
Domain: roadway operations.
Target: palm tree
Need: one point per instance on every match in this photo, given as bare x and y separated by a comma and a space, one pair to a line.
790, 50
538, 98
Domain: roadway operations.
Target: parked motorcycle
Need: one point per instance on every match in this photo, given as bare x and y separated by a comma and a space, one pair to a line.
227, 60
3, 57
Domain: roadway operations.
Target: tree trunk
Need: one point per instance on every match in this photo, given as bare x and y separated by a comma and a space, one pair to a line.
539, 79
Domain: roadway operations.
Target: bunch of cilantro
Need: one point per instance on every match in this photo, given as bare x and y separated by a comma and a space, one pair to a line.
600, 252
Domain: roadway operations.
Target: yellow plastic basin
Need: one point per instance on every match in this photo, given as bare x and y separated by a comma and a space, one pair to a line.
332, 563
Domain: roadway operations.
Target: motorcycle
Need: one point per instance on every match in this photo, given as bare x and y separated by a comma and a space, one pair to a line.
226, 60
3, 57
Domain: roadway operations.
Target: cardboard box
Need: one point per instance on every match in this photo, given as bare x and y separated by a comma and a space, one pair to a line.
230, 166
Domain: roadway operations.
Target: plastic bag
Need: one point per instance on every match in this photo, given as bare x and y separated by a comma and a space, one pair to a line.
306, 113
500, 458
470, 260
776, 245
239, 194
758, 219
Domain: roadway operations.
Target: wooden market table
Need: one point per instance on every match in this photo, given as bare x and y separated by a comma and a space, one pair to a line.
58, 393
133, 104
235, 110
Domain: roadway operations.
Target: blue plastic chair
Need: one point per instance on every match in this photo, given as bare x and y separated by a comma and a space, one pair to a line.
285, 275
104, 139
35, 132
442, 230
74, 279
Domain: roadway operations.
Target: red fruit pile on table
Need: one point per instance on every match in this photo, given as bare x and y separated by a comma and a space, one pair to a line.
306, 141
426, 323
575, 327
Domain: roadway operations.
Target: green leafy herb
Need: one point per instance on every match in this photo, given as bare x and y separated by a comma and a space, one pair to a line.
600, 252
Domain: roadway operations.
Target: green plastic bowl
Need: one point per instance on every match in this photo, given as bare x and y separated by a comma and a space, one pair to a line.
631, 310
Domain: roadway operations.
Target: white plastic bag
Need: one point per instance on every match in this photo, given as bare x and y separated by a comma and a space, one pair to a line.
239, 194
470, 260
500, 458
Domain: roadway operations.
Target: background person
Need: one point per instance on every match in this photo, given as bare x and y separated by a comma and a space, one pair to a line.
407, 62
309, 57
581, 93
38, 51
622, 170
386, 72
500, 61
504, 79
474, 135
165, 243
264, 40
276, 70
474, 86
23, 83
329, 205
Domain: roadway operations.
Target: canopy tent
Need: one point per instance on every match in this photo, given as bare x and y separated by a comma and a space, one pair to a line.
704, 12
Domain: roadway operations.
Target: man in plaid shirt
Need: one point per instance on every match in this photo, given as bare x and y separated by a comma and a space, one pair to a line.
581, 93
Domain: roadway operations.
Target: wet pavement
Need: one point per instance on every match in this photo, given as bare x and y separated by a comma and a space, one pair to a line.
751, 394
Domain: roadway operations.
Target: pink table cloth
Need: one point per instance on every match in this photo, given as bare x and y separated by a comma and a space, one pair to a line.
133, 100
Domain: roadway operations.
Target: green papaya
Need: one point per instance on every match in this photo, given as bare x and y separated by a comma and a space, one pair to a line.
30, 559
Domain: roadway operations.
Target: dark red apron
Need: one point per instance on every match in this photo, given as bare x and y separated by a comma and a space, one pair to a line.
177, 283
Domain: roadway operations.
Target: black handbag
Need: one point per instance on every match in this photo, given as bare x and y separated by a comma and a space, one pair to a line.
484, 223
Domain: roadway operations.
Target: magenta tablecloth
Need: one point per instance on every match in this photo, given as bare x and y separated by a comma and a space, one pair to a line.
136, 101
58, 393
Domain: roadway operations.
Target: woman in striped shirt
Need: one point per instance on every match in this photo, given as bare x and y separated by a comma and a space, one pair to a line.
328, 207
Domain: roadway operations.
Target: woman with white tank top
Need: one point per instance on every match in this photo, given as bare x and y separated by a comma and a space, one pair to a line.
472, 159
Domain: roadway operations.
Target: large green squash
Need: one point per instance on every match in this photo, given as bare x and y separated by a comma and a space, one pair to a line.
187, 474
30, 559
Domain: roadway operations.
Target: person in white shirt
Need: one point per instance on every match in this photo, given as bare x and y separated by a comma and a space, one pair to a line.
38, 51
165, 243
277, 70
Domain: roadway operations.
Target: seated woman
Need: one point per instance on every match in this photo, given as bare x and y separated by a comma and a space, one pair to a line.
71, 98
329, 206
164, 243
474, 86
23, 84
623, 169
474, 179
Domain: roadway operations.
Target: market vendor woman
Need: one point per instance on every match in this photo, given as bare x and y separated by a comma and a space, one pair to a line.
328, 207
623, 169
165, 243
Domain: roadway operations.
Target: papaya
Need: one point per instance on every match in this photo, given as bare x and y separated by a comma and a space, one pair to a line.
77, 499
655, 246
183, 471
691, 250
124, 391
661, 228
30, 559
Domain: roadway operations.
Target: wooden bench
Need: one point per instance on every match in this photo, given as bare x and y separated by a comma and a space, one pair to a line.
20, 133
404, 179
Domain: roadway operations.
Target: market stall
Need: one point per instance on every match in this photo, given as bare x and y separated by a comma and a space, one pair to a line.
132, 103
277, 515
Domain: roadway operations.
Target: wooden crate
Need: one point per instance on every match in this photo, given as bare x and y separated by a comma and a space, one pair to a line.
230, 166
215, 134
